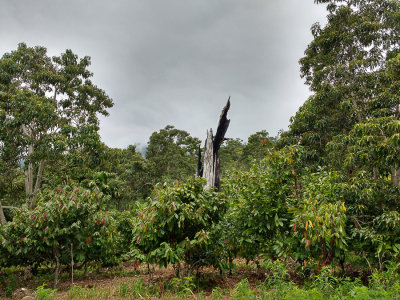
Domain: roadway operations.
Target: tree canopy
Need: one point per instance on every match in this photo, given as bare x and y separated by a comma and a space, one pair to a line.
48, 107
349, 68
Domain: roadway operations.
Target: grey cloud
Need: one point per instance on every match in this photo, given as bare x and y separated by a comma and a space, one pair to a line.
176, 62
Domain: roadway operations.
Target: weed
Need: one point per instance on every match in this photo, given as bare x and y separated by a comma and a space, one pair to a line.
79, 292
183, 286
42, 293
279, 272
124, 289
138, 289
243, 291
217, 294
12, 285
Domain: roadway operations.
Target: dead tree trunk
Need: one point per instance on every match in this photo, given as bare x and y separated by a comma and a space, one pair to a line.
199, 172
209, 165
211, 170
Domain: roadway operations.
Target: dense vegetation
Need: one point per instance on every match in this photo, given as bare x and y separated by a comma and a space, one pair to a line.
322, 199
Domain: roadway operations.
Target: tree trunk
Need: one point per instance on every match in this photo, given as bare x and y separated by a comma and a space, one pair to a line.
211, 170
395, 176
2, 217
208, 171
199, 172
217, 171
29, 178
56, 253
31, 190
375, 172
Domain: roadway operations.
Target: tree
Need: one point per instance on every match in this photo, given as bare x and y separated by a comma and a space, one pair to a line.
235, 154
132, 174
231, 154
346, 67
179, 223
258, 215
48, 106
65, 220
11, 178
211, 163
371, 146
173, 154
257, 147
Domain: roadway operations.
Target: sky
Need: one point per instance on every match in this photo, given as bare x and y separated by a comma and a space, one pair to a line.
176, 62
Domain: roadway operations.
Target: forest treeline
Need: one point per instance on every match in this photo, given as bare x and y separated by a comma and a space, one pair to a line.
128, 175
323, 193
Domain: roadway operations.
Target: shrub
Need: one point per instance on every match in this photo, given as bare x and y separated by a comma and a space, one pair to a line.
124, 224
178, 223
258, 219
319, 223
43, 293
68, 216
243, 291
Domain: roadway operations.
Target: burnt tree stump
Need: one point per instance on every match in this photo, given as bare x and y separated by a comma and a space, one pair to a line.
210, 170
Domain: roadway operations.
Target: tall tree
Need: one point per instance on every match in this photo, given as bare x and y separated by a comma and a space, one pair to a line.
173, 153
235, 154
231, 156
345, 67
133, 174
47, 106
257, 147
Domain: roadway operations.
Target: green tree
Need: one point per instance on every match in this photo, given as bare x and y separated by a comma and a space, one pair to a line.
257, 147
132, 174
65, 218
173, 153
346, 68
179, 223
235, 155
258, 217
48, 106
231, 155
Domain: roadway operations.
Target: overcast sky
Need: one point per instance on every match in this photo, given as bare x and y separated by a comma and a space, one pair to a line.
177, 61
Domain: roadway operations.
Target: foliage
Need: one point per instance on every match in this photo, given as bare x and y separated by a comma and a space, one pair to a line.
78, 292
351, 66
133, 179
271, 205
257, 147
372, 146
183, 286
235, 155
258, 218
48, 108
43, 293
319, 222
231, 156
173, 153
279, 272
243, 291
138, 289
68, 216
11, 285
176, 224
381, 237
124, 222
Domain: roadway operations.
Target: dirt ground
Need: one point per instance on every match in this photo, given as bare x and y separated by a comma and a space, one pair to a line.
110, 279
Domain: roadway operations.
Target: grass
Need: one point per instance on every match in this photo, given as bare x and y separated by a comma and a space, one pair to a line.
246, 282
